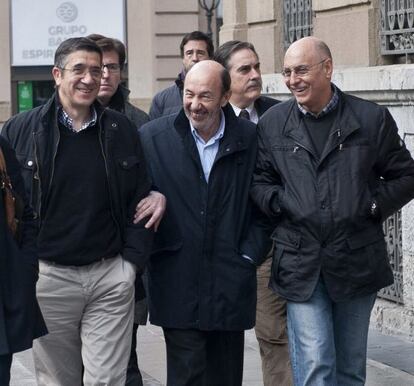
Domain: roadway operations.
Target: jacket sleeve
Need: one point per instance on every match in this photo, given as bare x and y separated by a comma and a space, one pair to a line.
138, 239
266, 183
257, 243
394, 167
27, 226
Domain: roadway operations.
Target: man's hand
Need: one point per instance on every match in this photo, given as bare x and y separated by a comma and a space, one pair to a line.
152, 206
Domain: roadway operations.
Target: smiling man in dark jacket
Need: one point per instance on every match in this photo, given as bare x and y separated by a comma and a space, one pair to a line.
330, 168
85, 173
202, 276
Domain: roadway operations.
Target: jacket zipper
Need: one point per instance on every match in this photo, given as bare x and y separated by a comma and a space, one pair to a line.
107, 174
39, 182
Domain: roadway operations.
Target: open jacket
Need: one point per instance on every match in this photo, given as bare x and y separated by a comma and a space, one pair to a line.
35, 137
20, 317
197, 276
320, 206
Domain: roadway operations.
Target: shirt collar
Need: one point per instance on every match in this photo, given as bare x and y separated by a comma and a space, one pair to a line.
333, 102
67, 121
219, 133
237, 110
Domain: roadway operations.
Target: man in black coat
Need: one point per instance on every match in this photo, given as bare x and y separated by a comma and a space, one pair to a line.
202, 273
20, 319
242, 62
331, 167
85, 173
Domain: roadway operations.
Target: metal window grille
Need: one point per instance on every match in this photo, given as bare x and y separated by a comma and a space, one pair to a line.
393, 237
297, 20
397, 27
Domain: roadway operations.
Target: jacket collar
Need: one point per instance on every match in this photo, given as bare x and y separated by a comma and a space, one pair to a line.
119, 99
48, 112
344, 125
233, 139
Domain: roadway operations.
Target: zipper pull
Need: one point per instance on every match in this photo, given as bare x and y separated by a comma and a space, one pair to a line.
340, 146
295, 149
338, 132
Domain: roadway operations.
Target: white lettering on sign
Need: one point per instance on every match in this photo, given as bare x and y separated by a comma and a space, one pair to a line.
38, 27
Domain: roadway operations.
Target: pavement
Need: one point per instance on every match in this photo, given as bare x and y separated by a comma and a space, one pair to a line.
390, 361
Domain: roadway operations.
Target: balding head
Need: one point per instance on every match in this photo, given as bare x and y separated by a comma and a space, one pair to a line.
211, 67
206, 91
308, 72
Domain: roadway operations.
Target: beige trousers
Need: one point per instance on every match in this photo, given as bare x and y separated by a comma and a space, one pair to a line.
271, 331
89, 314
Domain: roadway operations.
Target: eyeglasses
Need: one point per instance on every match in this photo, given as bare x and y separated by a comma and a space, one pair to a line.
300, 71
111, 67
80, 71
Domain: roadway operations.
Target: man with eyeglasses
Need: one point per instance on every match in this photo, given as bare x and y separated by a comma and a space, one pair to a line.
85, 173
114, 95
195, 47
331, 167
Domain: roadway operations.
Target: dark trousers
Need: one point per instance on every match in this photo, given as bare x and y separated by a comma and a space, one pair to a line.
134, 377
5, 364
204, 358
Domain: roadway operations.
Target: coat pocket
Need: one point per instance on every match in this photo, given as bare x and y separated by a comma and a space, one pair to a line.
366, 255
286, 255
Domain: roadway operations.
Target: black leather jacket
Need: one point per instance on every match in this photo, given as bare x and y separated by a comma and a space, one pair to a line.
321, 205
35, 137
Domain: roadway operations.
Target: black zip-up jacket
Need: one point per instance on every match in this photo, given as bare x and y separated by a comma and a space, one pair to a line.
321, 205
35, 136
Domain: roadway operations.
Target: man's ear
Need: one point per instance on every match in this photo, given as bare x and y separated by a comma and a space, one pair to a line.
328, 67
57, 75
225, 98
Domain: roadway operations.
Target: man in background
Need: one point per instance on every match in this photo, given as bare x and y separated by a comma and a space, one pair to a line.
195, 47
114, 95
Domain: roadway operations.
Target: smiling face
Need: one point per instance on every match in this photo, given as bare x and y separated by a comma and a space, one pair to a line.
312, 86
203, 97
246, 79
78, 82
110, 77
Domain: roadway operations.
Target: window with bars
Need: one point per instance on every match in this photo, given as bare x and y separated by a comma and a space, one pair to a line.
297, 20
397, 27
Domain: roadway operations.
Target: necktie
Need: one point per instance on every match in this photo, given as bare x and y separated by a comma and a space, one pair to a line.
244, 114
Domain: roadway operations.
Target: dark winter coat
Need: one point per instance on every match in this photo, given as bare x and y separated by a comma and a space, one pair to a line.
35, 137
168, 101
119, 102
197, 276
321, 207
264, 103
20, 317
